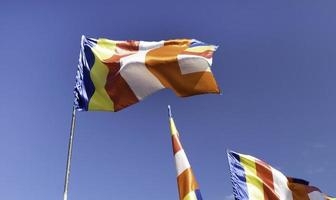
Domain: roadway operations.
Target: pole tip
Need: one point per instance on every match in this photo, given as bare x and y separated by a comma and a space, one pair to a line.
169, 111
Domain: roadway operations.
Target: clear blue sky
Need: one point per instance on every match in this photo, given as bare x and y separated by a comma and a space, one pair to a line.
275, 65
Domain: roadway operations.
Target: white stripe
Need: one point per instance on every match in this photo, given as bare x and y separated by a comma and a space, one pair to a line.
137, 76
181, 162
192, 63
280, 185
316, 195
144, 45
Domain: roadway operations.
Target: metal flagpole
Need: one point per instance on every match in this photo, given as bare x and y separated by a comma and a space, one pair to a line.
67, 173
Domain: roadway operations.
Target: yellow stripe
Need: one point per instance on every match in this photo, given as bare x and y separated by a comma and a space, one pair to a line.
199, 49
100, 100
173, 129
104, 48
253, 182
190, 196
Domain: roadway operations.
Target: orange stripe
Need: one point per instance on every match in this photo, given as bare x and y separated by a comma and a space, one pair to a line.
176, 144
299, 191
186, 183
163, 63
179, 42
264, 172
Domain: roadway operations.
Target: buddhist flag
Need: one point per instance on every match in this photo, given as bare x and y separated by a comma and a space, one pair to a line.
186, 181
253, 179
114, 74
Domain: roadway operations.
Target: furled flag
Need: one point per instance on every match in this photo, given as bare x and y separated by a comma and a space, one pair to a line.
253, 179
113, 74
186, 181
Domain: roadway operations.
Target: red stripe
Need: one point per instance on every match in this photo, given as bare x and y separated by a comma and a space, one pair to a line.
312, 189
129, 45
264, 172
116, 87
176, 144
207, 54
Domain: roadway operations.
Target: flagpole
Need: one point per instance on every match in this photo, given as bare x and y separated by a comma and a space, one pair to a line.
67, 172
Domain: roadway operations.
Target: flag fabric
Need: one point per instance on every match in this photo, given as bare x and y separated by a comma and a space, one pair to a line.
187, 185
253, 179
114, 74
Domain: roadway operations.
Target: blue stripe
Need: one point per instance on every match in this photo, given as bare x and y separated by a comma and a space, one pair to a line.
238, 178
298, 180
198, 194
84, 87
195, 43
91, 40
89, 56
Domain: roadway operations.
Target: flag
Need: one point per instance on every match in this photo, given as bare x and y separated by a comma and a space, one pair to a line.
253, 179
187, 185
112, 74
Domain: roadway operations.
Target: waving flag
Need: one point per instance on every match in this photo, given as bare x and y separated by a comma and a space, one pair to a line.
115, 74
253, 179
187, 184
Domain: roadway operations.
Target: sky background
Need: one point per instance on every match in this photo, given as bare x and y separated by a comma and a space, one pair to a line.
275, 65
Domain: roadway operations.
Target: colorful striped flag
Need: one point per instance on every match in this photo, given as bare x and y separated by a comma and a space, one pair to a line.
113, 74
186, 181
253, 179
